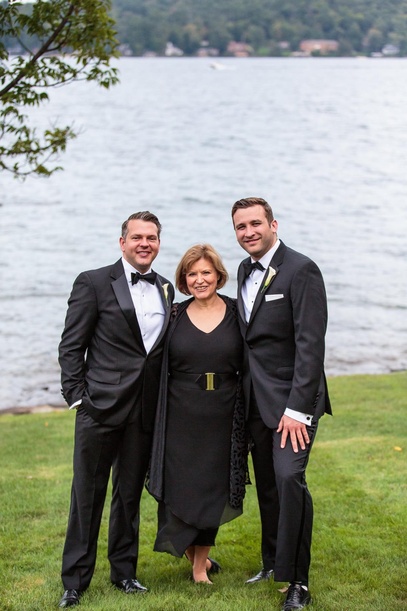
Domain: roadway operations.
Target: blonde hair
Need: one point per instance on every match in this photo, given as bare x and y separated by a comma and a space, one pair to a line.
192, 255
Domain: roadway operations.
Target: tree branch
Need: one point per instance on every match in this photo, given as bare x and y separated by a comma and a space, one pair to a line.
40, 52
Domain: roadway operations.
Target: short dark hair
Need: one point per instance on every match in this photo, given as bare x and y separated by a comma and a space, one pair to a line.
248, 202
193, 254
146, 216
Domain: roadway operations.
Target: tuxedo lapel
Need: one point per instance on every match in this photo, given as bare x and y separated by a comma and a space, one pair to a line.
262, 290
240, 280
278, 258
122, 292
274, 264
165, 294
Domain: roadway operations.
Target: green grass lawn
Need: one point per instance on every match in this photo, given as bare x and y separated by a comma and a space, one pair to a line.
357, 475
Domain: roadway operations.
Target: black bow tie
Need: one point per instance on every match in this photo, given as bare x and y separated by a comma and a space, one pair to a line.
150, 277
249, 267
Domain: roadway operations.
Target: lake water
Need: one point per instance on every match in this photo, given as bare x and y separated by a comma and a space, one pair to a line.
324, 141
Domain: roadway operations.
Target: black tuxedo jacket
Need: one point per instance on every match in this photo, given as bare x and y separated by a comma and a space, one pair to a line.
102, 356
285, 338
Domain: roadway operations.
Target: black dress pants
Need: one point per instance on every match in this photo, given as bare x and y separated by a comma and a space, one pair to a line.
285, 504
97, 449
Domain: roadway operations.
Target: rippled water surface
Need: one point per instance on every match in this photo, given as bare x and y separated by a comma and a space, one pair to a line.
324, 141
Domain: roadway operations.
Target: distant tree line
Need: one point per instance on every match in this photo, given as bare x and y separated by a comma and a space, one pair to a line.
359, 26
270, 27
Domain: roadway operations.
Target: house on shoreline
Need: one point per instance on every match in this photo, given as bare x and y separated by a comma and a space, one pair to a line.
319, 46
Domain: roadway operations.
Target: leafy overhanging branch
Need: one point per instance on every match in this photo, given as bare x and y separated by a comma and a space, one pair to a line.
77, 41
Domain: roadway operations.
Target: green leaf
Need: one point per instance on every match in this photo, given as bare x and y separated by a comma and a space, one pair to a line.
74, 40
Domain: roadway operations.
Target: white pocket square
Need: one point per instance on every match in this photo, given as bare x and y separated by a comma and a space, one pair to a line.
273, 297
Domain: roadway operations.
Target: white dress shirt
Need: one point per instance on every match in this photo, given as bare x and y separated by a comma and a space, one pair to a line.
250, 289
148, 306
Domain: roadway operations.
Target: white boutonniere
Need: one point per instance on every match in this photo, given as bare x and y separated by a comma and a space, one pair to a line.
165, 289
271, 272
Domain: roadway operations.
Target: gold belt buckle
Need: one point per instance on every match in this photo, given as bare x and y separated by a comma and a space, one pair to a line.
210, 381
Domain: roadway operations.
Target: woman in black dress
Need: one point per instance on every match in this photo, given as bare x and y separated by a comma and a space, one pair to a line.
199, 459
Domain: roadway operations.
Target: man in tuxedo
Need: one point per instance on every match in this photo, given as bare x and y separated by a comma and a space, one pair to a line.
110, 356
283, 317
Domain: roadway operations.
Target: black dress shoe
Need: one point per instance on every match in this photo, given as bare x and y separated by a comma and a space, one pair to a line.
215, 566
70, 598
297, 597
130, 586
260, 576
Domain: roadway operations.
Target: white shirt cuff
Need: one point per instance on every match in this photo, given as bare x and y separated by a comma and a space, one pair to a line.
76, 404
299, 416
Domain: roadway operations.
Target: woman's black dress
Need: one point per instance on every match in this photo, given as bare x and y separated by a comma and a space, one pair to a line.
198, 435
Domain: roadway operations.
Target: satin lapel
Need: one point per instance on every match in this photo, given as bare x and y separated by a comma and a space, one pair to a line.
122, 292
240, 280
259, 298
165, 292
274, 263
